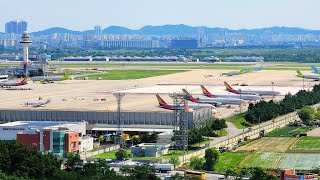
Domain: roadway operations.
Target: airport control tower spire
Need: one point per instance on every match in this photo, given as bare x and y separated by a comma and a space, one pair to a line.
25, 41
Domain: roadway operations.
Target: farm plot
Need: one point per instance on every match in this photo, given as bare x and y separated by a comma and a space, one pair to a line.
264, 160
269, 144
229, 159
307, 143
299, 161
287, 131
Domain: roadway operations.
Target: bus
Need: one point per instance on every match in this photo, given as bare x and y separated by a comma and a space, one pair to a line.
193, 174
4, 78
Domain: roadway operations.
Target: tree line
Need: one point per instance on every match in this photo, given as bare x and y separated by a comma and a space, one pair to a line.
195, 135
19, 163
264, 111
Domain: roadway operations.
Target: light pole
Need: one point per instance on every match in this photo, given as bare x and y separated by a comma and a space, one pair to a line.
272, 90
240, 102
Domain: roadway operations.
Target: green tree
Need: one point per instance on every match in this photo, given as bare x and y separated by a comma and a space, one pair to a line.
73, 162
258, 173
196, 163
307, 114
149, 138
177, 176
121, 154
174, 160
143, 172
211, 158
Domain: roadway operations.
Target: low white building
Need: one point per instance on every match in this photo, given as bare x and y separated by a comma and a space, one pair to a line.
85, 143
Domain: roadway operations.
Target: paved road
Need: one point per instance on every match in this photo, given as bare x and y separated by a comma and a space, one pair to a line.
209, 176
233, 131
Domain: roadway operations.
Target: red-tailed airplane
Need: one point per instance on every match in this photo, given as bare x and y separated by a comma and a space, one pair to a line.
254, 92
188, 108
10, 84
237, 96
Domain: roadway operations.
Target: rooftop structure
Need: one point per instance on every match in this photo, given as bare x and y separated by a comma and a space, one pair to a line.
244, 59
9, 131
150, 149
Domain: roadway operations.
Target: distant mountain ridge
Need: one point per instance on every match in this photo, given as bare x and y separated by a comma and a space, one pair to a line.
180, 29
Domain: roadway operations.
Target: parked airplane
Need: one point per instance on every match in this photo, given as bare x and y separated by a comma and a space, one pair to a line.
10, 84
51, 79
37, 104
232, 73
213, 101
242, 71
316, 77
237, 96
256, 68
188, 108
254, 92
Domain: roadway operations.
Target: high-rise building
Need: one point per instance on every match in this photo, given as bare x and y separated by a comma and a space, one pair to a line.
97, 30
15, 27
22, 26
11, 27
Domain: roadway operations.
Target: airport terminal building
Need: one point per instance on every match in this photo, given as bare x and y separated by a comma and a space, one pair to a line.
108, 121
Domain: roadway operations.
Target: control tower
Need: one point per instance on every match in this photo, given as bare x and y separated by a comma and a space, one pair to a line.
25, 41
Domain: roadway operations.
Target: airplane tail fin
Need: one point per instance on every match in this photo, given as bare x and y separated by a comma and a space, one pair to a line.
260, 68
23, 81
241, 71
229, 88
299, 74
186, 92
206, 92
161, 101
66, 75
315, 70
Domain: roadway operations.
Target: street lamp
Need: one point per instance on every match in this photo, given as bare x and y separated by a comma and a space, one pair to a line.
272, 90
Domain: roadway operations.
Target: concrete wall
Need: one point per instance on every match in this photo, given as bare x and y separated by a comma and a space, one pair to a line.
86, 144
94, 117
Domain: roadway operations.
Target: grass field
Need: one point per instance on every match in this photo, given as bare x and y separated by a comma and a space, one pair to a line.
299, 161
238, 121
111, 155
264, 160
307, 143
108, 155
269, 144
229, 159
287, 131
130, 74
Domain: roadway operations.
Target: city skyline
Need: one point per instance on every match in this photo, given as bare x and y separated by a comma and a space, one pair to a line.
83, 15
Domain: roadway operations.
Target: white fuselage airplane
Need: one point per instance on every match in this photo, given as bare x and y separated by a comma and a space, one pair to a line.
37, 104
188, 108
252, 92
308, 76
236, 96
10, 84
213, 101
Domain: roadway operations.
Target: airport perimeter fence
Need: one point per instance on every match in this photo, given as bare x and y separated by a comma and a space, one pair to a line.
85, 155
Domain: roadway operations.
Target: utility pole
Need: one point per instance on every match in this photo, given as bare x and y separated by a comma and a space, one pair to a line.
180, 121
119, 118
272, 90
240, 102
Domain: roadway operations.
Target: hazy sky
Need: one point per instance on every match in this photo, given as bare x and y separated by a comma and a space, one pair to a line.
234, 14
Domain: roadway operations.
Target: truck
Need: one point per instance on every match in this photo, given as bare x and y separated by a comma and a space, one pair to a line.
163, 168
